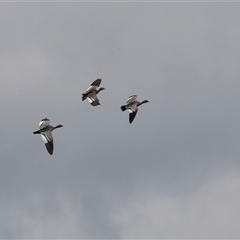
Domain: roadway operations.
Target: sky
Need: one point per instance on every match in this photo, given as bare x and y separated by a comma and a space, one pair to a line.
173, 173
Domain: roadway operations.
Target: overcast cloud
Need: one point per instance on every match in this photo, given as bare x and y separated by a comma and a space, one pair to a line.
172, 173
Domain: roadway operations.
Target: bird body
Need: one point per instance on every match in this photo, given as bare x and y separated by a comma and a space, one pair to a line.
45, 129
92, 91
132, 106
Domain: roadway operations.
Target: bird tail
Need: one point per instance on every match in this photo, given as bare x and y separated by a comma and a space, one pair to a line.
84, 96
37, 132
123, 108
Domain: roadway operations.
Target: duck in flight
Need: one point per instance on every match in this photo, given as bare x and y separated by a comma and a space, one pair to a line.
132, 106
92, 91
45, 129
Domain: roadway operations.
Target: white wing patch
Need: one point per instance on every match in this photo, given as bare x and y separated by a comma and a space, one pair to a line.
131, 98
44, 138
128, 100
130, 110
89, 88
90, 100
41, 123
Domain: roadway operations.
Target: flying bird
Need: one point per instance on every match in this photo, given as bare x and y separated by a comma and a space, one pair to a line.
45, 129
132, 106
92, 91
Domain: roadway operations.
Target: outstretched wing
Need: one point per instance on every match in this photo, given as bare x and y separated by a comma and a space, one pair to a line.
48, 140
132, 109
49, 146
131, 99
97, 82
132, 115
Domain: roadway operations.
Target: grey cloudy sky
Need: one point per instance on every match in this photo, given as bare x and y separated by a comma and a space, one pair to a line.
172, 173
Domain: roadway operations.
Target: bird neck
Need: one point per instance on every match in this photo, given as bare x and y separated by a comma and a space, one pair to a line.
58, 126
144, 101
100, 89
